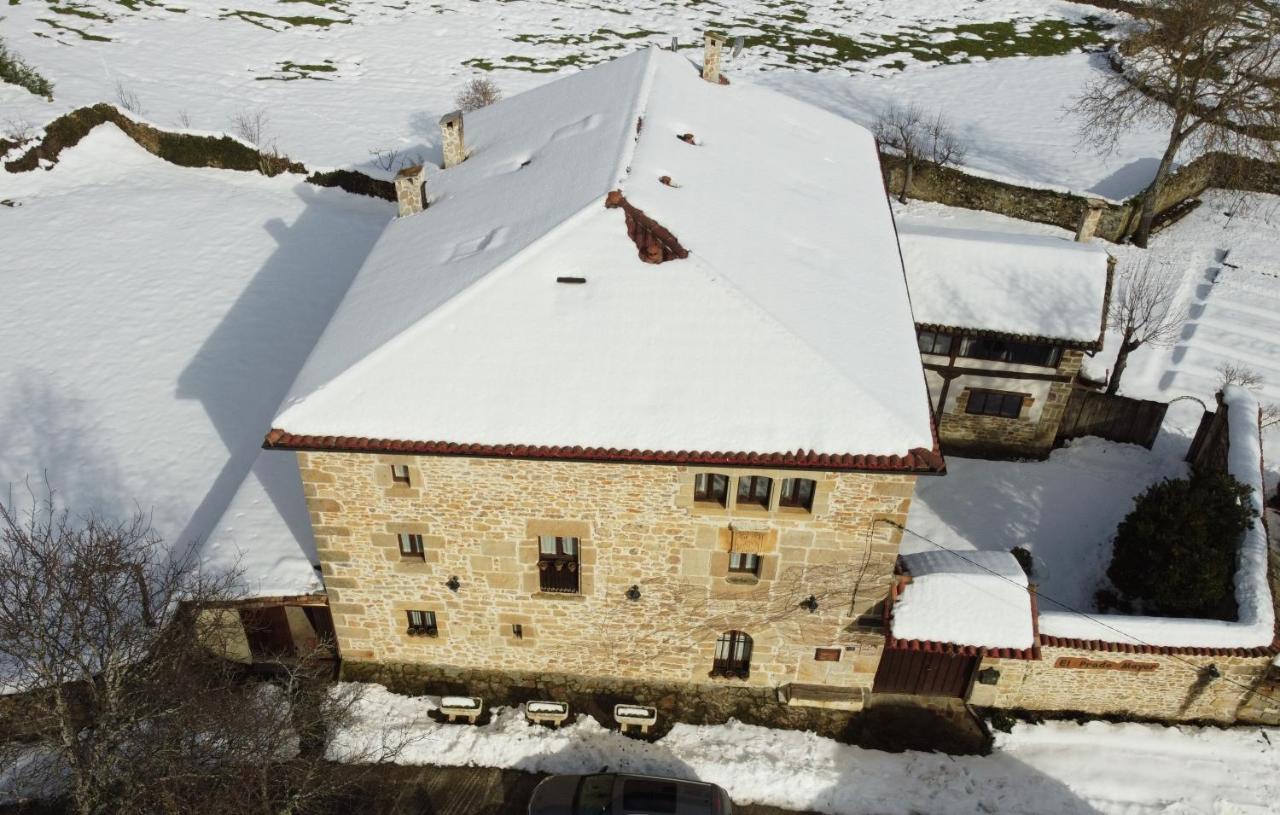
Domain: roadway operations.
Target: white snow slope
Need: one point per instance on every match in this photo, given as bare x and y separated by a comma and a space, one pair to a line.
1049, 769
152, 318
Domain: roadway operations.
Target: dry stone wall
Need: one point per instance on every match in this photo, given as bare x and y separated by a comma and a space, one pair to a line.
638, 525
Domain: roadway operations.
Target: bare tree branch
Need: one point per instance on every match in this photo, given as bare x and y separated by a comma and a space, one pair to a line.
1144, 312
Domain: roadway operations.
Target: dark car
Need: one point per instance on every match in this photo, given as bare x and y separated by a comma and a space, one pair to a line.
618, 794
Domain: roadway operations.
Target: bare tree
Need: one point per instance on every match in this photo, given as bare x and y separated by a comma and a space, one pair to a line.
479, 92
1207, 70
1144, 312
128, 99
386, 159
917, 137
251, 125
184, 118
1232, 373
107, 638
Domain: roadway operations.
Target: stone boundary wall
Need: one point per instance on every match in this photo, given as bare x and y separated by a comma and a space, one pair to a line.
1148, 686
183, 149
947, 185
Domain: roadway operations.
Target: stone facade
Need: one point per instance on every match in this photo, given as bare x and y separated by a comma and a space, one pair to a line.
637, 525
1031, 435
1145, 686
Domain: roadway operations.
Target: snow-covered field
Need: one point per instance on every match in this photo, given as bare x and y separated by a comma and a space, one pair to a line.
337, 79
152, 318
1058, 767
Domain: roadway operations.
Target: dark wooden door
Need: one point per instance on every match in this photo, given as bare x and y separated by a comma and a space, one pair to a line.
268, 632
924, 674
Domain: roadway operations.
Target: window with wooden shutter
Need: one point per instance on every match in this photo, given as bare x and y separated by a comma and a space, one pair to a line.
558, 564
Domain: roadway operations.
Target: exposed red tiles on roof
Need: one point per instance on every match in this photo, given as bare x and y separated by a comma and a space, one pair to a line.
655, 242
935, 647
918, 460
1127, 648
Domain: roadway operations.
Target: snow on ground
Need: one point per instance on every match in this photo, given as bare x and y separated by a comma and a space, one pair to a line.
339, 79
1224, 257
1058, 767
1064, 510
153, 318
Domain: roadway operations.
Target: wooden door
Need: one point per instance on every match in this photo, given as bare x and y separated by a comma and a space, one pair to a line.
924, 674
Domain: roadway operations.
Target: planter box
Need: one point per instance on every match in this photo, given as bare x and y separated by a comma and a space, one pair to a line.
456, 708
545, 712
637, 716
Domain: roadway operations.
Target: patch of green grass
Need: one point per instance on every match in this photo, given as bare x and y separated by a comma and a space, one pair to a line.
259, 19
288, 70
78, 12
15, 70
84, 35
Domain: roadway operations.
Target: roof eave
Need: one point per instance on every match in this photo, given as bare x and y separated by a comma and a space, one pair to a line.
1077, 344
918, 461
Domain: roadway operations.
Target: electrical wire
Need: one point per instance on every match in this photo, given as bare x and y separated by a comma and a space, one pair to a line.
1198, 670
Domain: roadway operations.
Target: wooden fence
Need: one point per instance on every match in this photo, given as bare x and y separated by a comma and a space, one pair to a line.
1115, 418
1209, 447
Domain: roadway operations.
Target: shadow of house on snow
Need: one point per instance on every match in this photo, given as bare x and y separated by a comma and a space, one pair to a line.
244, 369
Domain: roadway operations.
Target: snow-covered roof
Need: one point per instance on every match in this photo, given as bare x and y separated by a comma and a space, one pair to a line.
979, 599
1005, 282
786, 328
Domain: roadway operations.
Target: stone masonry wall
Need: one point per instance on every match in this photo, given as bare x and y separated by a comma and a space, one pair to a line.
638, 525
962, 433
1155, 686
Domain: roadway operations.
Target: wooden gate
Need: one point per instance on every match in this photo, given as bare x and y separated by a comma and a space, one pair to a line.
1115, 418
924, 674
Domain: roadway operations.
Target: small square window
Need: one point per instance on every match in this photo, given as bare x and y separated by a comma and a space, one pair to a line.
517, 631
797, 493
934, 342
754, 489
422, 623
743, 563
558, 564
411, 546
711, 488
400, 475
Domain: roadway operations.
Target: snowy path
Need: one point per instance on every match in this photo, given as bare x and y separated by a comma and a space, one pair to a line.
1054, 768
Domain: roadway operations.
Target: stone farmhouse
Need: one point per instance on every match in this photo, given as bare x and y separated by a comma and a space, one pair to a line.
628, 399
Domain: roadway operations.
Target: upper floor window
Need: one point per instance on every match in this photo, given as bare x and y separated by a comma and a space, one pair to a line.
754, 489
1015, 351
558, 564
743, 563
934, 342
797, 493
411, 545
994, 403
422, 623
711, 488
733, 655
400, 475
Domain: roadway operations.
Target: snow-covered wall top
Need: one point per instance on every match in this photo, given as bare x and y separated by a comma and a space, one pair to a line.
1255, 623
787, 327
1013, 283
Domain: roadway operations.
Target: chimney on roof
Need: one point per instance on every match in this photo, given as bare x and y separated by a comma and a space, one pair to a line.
712, 48
1093, 208
411, 190
455, 151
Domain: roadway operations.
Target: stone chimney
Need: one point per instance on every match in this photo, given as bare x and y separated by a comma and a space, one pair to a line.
455, 151
411, 190
1088, 225
712, 48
